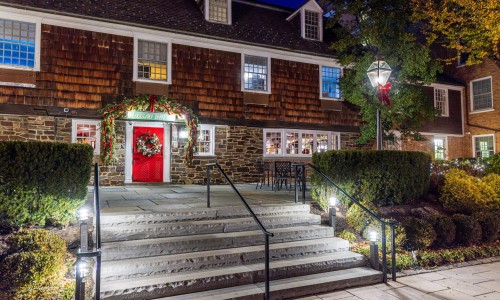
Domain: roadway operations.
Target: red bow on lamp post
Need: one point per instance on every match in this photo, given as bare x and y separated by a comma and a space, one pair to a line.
383, 93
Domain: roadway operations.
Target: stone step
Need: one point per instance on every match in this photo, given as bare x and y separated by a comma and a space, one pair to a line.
307, 280
198, 213
205, 242
134, 232
186, 262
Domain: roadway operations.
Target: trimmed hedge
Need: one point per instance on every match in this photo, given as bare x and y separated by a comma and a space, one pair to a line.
34, 267
43, 181
490, 225
377, 177
445, 230
468, 230
419, 233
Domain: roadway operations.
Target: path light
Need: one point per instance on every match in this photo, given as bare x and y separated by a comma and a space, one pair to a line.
83, 213
81, 271
332, 210
378, 73
374, 261
83, 216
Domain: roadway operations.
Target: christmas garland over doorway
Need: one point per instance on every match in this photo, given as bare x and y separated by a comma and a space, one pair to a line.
142, 103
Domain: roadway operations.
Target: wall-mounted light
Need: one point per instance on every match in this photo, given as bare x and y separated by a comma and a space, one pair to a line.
183, 134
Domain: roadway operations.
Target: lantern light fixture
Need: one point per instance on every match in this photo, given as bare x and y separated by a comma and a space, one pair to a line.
379, 72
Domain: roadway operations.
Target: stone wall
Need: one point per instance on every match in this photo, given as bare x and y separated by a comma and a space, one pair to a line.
35, 128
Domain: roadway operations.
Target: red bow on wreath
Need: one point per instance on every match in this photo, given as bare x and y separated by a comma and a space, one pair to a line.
383, 93
152, 100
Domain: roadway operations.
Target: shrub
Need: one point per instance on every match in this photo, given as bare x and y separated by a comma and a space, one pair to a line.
376, 177
468, 230
357, 218
492, 164
465, 194
490, 224
493, 180
445, 230
43, 182
419, 233
347, 235
34, 267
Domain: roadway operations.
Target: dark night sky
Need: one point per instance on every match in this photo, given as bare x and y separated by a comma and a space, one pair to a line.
287, 3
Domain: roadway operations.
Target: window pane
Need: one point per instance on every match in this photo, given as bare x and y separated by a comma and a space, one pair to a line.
312, 25
292, 143
330, 82
17, 43
152, 60
484, 146
255, 73
440, 101
217, 11
86, 134
439, 149
273, 142
307, 143
203, 143
321, 142
481, 93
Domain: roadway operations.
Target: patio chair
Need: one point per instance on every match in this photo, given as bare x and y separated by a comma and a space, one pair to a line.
282, 173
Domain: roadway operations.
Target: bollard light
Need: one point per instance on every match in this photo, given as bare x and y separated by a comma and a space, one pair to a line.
332, 211
83, 268
374, 260
373, 236
83, 216
83, 213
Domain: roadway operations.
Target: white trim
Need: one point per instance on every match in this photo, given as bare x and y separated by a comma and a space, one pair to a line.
446, 86
471, 95
176, 38
242, 74
129, 136
321, 81
23, 17
211, 128
441, 134
333, 141
482, 135
97, 123
445, 145
152, 38
446, 112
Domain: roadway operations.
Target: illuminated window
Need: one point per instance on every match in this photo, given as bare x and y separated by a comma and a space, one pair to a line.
152, 60
439, 148
255, 73
307, 143
292, 143
484, 146
206, 140
17, 43
311, 25
298, 142
441, 101
87, 132
272, 142
330, 78
218, 11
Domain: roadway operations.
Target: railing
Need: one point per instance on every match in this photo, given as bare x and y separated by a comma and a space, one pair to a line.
80, 286
266, 233
383, 223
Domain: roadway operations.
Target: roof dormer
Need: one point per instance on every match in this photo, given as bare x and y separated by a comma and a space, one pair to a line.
216, 11
311, 20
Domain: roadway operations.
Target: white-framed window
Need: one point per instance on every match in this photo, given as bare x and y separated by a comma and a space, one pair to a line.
301, 143
440, 144
256, 75
329, 82
441, 101
87, 132
152, 59
311, 25
481, 94
218, 11
20, 43
484, 145
205, 144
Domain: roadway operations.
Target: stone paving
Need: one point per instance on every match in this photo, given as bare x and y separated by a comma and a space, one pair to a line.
471, 280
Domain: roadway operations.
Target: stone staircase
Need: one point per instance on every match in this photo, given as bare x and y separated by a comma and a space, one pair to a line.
218, 253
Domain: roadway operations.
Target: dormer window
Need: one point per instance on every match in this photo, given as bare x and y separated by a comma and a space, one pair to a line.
311, 22
217, 11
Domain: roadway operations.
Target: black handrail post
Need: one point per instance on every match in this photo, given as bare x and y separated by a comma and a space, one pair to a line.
267, 296
384, 253
78, 290
98, 232
209, 169
393, 251
303, 184
296, 184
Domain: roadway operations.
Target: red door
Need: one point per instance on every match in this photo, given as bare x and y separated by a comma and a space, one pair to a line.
144, 168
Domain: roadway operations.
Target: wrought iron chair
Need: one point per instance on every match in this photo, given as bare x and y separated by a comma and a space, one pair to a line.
282, 173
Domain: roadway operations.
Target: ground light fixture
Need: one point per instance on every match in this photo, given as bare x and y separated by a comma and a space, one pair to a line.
82, 271
83, 216
374, 260
332, 210
378, 73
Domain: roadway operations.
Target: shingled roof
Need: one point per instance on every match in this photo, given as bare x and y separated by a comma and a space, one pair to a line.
252, 24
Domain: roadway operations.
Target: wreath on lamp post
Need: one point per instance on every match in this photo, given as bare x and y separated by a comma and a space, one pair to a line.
148, 144
143, 103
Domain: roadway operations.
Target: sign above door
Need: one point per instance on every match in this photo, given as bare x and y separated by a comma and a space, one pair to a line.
149, 116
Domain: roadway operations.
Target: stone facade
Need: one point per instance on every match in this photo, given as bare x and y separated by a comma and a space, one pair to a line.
35, 128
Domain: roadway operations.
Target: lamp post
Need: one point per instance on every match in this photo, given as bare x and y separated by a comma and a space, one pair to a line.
332, 211
378, 73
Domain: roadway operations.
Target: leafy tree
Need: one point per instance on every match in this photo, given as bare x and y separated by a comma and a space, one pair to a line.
468, 26
362, 28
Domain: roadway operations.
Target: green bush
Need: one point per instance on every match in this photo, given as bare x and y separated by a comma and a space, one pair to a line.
419, 233
465, 194
493, 181
445, 231
492, 163
490, 224
43, 182
34, 266
468, 230
357, 219
376, 177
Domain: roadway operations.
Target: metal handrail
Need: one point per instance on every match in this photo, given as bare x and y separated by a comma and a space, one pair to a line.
382, 223
266, 233
97, 252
